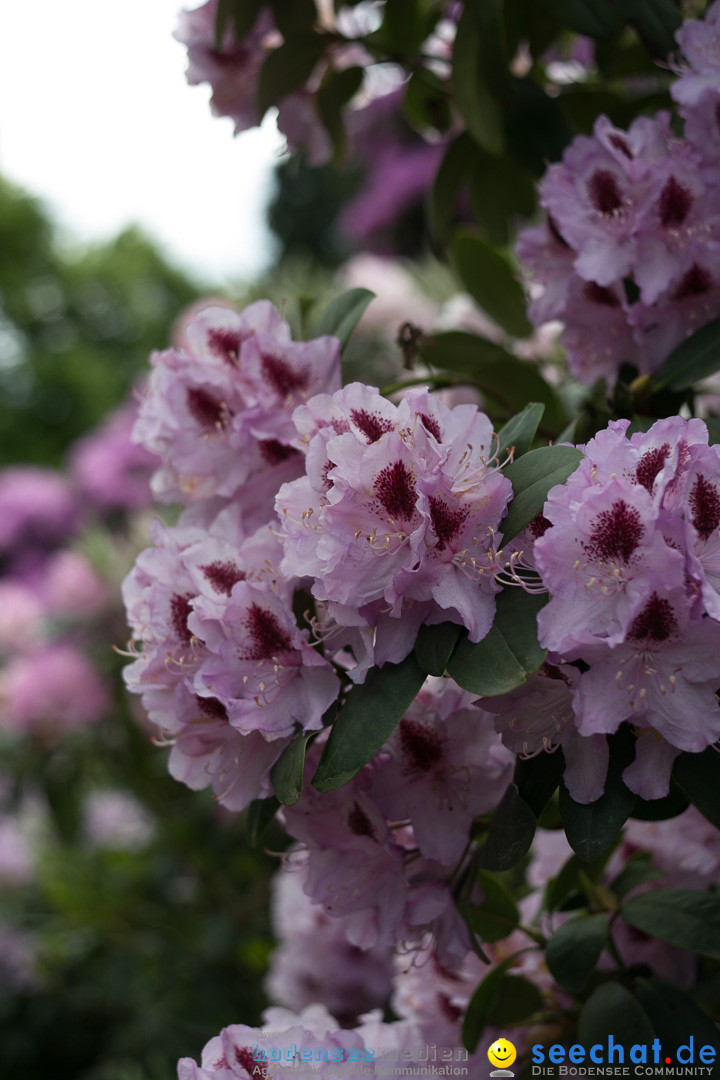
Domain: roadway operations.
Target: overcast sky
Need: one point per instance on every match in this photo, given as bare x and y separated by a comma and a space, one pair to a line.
96, 117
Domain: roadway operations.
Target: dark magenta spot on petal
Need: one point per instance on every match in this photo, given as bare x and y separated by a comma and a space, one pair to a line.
696, 281
370, 424
179, 612
600, 294
650, 465
359, 823
705, 506
430, 424
717, 115
225, 344
395, 490
275, 453
267, 637
205, 409
449, 1011
621, 144
223, 575
211, 707
656, 621
616, 533
604, 191
539, 526
445, 521
675, 203
421, 747
245, 1059
284, 380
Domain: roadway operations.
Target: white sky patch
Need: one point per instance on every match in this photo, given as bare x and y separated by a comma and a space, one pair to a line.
96, 119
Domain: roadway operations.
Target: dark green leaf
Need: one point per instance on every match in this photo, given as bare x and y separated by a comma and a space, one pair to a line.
450, 178
343, 313
639, 871
368, 718
569, 888
661, 809
597, 20
426, 103
612, 1008
287, 68
511, 832
574, 950
258, 816
497, 914
694, 359
434, 646
537, 779
655, 21
287, 772
517, 435
532, 477
492, 282
500, 193
713, 426
480, 110
674, 1015
502, 660
683, 917
482, 1003
294, 19
337, 88
698, 775
535, 128
516, 999
593, 828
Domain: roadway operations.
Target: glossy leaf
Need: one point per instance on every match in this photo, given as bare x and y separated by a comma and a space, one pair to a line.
480, 1010
593, 828
596, 20
258, 816
638, 871
434, 646
655, 21
574, 949
532, 477
612, 1008
497, 914
502, 660
571, 885
286, 69
698, 775
511, 832
287, 772
343, 313
674, 1015
684, 917
368, 718
517, 435
455, 168
480, 110
537, 779
500, 192
337, 88
492, 282
694, 359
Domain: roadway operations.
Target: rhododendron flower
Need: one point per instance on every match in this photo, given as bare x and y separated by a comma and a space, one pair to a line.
218, 412
51, 690
399, 503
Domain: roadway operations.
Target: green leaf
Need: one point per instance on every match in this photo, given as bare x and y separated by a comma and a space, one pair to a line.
517, 435
258, 816
612, 1008
694, 359
655, 21
500, 192
343, 313
593, 828
500, 999
336, 89
287, 68
569, 888
368, 718
661, 809
287, 772
297, 18
574, 949
638, 871
434, 646
502, 660
480, 110
426, 103
535, 128
683, 917
491, 281
597, 20
497, 915
450, 178
537, 779
674, 1015
532, 477
698, 775
511, 832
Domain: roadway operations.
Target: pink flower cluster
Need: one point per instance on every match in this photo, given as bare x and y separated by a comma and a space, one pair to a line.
627, 257
629, 550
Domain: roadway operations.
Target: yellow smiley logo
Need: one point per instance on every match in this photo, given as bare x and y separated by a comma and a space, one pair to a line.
502, 1053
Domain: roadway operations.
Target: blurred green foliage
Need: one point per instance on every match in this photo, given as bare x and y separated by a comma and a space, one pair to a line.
76, 327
